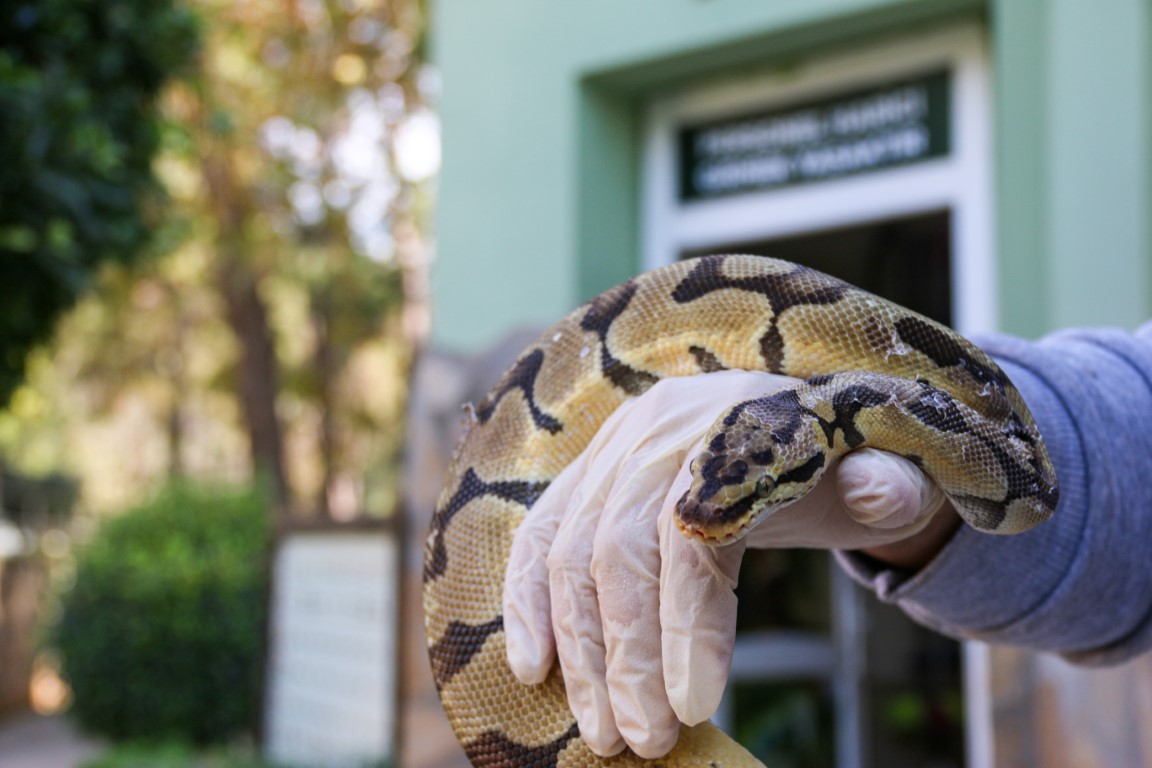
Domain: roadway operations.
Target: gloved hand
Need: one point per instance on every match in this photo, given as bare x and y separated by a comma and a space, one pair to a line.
642, 618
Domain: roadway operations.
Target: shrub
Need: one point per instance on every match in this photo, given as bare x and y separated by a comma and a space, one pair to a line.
161, 634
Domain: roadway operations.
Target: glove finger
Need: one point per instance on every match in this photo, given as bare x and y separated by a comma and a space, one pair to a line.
651, 426
626, 569
579, 634
529, 640
625, 562
528, 627
697, 613
883, 490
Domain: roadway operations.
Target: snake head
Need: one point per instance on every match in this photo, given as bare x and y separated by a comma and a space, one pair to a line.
760, 455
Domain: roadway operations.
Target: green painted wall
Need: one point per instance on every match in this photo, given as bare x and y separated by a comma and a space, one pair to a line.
1074, 161
538, 204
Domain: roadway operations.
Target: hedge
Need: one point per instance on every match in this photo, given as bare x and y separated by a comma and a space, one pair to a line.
161, 634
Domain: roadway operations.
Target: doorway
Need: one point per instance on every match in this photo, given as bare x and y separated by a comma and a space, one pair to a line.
873, 165
906, 260
818, 662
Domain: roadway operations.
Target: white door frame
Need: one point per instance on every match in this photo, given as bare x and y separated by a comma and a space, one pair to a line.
961, 182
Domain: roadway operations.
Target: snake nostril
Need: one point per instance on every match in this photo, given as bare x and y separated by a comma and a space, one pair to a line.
693, 512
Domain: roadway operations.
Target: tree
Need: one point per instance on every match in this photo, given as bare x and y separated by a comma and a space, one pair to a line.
79, 129
292, 120
78, 87
270, 333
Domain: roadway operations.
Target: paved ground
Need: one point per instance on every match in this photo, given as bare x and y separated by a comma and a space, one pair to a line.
33, 741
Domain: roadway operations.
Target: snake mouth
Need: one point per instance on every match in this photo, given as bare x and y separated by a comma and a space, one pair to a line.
711, 538
717, 526
713, 524
715, 537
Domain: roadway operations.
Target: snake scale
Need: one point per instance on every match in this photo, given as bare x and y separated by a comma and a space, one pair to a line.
876, 374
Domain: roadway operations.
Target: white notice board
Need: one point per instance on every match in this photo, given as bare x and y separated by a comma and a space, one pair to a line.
330, 693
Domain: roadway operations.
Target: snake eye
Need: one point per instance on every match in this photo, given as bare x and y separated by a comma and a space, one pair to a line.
764, 486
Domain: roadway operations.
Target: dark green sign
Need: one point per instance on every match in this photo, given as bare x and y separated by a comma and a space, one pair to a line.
898, 123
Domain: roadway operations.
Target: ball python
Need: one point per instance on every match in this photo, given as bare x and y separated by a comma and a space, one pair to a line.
874, 374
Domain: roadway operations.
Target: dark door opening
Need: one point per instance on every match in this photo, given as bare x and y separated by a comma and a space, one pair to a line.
910, 703
906, 260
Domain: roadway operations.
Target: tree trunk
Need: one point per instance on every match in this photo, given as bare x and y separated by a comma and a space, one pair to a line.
175, 367
325, 368
258, 380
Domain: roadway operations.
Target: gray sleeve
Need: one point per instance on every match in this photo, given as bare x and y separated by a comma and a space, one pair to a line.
1080, 584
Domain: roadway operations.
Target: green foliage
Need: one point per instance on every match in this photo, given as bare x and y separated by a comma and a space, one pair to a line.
174, 755
161, 633
78, 85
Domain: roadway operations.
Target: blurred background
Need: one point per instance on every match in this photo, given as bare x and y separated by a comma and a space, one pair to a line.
242, 300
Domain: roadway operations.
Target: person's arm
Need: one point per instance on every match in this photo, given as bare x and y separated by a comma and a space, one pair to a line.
1081, 584
916, 551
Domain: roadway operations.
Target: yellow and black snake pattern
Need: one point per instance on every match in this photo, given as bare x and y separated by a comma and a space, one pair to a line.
876, 374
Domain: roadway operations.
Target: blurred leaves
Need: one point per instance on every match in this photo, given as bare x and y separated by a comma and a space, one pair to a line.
271, 319
292, 126
78, 84
175, 755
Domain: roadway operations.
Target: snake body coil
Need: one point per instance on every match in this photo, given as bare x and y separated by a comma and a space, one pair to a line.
878, 374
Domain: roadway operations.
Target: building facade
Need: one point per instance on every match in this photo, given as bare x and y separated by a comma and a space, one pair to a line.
986, 163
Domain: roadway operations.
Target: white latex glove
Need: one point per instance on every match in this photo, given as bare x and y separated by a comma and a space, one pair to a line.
642, 618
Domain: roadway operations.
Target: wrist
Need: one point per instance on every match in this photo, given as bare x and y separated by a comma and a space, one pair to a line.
916, 551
